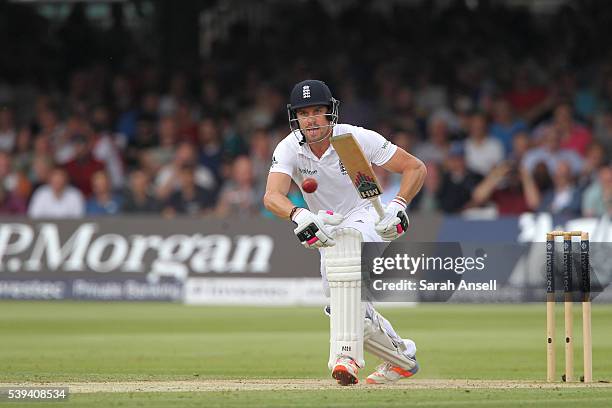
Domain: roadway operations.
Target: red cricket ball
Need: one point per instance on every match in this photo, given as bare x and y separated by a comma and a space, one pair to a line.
309, 185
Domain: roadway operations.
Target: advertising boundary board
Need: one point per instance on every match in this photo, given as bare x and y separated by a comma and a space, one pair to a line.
209, 260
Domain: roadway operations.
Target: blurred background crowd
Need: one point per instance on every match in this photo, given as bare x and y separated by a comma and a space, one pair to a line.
143, 107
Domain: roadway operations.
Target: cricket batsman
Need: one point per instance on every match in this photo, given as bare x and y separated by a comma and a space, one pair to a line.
337, 221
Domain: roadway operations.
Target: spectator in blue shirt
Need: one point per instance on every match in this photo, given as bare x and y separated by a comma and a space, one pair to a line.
504, 126
103, 201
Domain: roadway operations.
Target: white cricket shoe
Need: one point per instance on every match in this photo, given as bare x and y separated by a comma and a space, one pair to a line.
345, 371
387, 373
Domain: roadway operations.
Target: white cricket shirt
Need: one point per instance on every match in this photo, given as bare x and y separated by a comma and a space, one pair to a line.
335, 191
45, 204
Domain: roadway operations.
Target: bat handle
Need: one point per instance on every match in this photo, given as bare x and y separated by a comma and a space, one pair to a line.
378, 207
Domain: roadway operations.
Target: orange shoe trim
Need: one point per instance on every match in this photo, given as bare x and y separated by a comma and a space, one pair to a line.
402, 372
340, 373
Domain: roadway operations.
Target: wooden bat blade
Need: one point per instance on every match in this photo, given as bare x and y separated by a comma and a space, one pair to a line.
357, 166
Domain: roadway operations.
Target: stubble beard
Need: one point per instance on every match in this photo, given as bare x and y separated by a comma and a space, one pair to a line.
319, 135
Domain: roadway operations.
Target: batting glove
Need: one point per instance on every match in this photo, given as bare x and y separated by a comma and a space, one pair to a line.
395, 222
311, 230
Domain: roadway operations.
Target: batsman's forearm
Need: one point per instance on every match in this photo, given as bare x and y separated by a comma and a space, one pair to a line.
278, 204
413, 178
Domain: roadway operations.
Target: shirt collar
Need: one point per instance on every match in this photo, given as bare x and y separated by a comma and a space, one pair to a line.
304, 150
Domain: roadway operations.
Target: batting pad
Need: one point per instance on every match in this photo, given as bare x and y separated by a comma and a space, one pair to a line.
381, 344
343, 267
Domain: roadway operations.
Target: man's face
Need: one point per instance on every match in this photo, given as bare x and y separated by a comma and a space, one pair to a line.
605, 179
47, 119
184, 154
187, 177
314, 122
478, 126
563, 115
139, 181
41, 168
501, 111
207, 131
167, 131
520, 143
552, 139
438, 131
455, 163
563, 172
100, 183
58, 180
243, 171
80, 149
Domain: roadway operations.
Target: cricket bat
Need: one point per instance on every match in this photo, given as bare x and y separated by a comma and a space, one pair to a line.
359, 170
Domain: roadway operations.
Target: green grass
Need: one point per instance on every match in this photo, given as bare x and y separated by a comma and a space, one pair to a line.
348, 398
81, 341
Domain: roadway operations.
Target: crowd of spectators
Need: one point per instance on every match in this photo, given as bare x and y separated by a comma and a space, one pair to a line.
496, 139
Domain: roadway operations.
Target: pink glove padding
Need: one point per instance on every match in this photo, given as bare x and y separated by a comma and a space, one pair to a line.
395, 222
311, 229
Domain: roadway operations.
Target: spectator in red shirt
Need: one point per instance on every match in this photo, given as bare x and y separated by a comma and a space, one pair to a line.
527, 99
83, 165
185, 122
11, 203
574, 136
511, 189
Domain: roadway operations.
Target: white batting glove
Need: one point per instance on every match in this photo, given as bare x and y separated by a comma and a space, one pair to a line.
311, 230
395, 222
